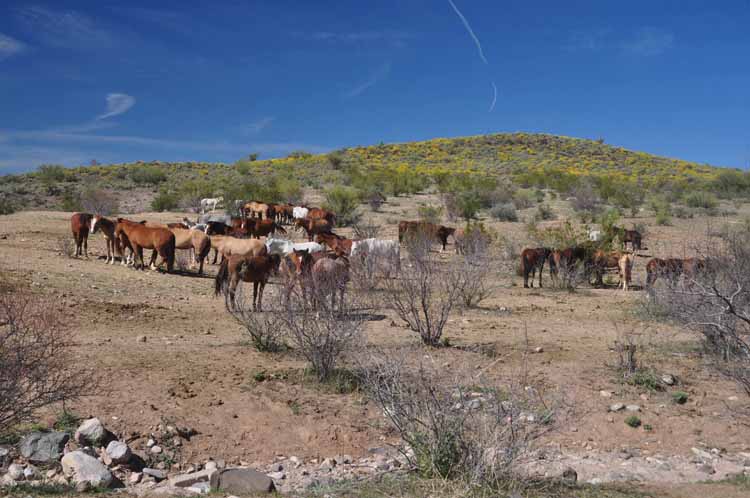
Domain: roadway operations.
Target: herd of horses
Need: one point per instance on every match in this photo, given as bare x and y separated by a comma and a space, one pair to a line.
251, 252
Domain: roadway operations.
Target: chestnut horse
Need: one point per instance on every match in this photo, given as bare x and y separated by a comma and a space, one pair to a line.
261, 228
322, 214
255, 269
602, 261
335, 242
107, 227
531, 261
313, 226
671, 269
140, 237
80, 224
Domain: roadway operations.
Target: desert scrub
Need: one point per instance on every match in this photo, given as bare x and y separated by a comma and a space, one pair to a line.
702, 200
633, 421
344, 201
504, 212
680, 397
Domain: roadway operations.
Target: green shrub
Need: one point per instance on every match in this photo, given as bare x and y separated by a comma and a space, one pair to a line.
344, 201
701, 199
71, 200
429, 213
6, 206
523, 199
682, 212
646, 379
147, 175
633, 421
504, 212
680, 397
544, 212
50, 173
165, 201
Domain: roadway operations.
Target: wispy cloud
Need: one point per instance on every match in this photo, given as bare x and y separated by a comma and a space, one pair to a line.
379, 74
494, 97
258, 126
588, 40
394, 38
10, 46
649, 41
62, 28
117, 103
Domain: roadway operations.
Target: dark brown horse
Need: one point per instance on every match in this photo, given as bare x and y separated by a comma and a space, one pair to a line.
261, 228
107, 227
532, 259
313, 226
142, 237
322, 214
80, 225
255, 269
424, 228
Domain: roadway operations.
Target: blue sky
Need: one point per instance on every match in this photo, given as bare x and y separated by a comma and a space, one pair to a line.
123, 81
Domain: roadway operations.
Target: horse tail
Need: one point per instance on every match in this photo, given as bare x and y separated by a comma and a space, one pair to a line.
204, 250
169, 254
221, 277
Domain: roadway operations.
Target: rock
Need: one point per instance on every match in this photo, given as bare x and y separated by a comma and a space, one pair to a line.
605, 394
4, 452
150, 443
570, 476
277, 467
50, 473
29, 472
616, 407
328, 463
704, 455
91, 432
141, 338
135, 478
667, 379
43, 447
157, 474
200, 488
82, 468
118, 452
155, 450
706, 468
539, 349
277, 476
241, 482
633, 408
15, 471
189, 480
474, 404
347, 459
296, 462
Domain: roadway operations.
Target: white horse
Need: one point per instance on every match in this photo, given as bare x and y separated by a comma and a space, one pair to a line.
285, 247
210, 204
299, 213
379, 252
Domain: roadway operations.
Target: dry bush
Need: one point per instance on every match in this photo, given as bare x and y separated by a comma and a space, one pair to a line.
425, 292
568, 275
322, 334
266, 330
474, 266
66, 245
36, 359
366, 229
456, 425
715, 301
98, 201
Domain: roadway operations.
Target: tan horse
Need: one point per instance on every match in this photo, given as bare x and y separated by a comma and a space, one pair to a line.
80, 224
602, 261
140, 237
231, 246
194, 240
107, 228
255, 269
626, 269
255, 209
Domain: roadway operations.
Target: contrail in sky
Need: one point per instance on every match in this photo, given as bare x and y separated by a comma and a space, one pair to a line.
469, 30
494, 96
479, 49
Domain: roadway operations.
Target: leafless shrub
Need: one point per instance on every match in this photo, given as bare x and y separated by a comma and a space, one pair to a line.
99, 201
568, 275
424, 294
266, 330
626, 350
36, 359
457, 426
474, 266
182, 260
713, 299
366, 229
322, 334
66, 245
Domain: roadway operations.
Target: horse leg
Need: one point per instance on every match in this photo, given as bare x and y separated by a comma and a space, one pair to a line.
255, 296
541, 268
86, 246
153, 260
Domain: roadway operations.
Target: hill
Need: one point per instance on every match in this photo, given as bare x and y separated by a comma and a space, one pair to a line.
537, 160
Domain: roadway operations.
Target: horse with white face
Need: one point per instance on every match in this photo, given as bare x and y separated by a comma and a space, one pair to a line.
107, 228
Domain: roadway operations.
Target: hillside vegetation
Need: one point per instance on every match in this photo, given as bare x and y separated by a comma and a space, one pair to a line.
478, 164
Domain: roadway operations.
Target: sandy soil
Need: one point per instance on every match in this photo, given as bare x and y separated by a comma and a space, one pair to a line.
196, 369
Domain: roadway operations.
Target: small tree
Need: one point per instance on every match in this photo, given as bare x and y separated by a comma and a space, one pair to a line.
266, 330
98, 201
37, 364
344, 201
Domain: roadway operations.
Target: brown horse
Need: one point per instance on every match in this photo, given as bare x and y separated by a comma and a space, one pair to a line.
338, 244
432, 230
80, 225
231, 246
602, 261
261, 228
197, 242
322, 214
531, 261
107, 228
672, 268
140, 237
565, 260
313, 226
255, 269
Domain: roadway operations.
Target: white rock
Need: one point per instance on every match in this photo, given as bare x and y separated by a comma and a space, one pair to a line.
633, 408
616, 407
29, 473
15, 471
605, 394
91, 431
210, 465
667, 379
82, 468
135, 478
277, 476
156, 450
150, 443
118, 452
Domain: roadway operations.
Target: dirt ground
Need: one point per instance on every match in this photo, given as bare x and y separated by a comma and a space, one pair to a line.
196, 368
